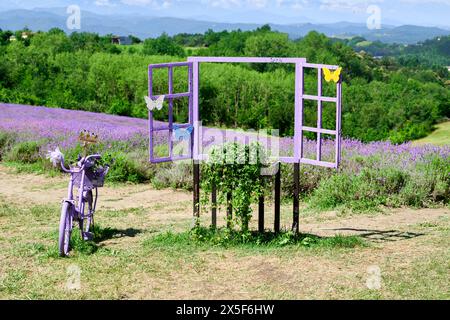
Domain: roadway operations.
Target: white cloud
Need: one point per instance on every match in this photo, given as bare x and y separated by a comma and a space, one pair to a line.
103, 3
258, 3
137, 2
347, 5
444, 2
153, 3
293, 4
224, 3
358, 6
299, 4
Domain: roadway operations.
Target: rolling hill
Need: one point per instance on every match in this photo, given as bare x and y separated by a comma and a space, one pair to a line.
144, 26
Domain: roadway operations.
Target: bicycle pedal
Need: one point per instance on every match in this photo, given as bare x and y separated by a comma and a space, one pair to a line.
88, 236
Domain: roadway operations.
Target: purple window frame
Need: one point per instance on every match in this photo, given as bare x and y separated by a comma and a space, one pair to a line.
299, 128
170, 96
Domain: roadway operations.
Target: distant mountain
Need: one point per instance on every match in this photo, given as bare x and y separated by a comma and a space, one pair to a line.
144, 26
406, 34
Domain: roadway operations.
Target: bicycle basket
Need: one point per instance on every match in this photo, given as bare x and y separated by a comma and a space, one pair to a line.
93, 179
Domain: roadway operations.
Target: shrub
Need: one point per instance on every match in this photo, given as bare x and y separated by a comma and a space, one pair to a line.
120, 107
410, 131
430, 182
124, 169
426, 182
25, 152
332, 192
6, 142
310, 177
174, 175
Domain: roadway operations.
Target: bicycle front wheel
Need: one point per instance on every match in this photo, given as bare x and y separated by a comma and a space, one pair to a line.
65, 229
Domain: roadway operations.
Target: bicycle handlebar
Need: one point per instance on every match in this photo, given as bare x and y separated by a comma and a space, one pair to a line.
83, 161
63, 167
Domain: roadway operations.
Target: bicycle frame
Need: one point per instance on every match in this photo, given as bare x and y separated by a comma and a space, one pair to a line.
74, 209
79, 207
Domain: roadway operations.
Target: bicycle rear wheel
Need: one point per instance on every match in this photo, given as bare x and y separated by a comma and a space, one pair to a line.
65, 229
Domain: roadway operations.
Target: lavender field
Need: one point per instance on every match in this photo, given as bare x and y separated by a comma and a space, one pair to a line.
373, 174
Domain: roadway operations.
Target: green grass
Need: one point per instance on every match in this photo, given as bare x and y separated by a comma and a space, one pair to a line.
202, 237
439, 137
35, 168
427, 278
137, 255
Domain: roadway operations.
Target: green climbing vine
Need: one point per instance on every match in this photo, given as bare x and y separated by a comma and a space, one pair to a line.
235, 169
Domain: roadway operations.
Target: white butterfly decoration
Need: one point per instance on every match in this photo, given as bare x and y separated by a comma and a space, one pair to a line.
152, 104
55, 156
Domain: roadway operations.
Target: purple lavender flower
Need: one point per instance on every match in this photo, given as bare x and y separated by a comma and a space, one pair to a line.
60, 127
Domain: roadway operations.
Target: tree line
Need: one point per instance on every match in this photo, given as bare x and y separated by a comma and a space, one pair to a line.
383, 99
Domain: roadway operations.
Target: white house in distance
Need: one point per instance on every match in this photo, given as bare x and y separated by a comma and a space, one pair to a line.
24, 35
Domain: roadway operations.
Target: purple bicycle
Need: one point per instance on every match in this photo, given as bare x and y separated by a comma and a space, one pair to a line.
88, 176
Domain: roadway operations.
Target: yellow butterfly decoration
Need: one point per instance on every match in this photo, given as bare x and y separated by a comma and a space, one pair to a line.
335, 76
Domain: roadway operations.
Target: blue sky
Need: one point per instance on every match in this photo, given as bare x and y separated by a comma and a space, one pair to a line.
396, 12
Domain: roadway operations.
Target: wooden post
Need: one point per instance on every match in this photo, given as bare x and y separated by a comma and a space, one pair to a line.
277, 198
296, 210
229, 210
214, 206
196, 192
261, 213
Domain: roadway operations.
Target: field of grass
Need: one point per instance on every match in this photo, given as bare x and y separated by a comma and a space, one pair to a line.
364, 43
143, 250
439, 137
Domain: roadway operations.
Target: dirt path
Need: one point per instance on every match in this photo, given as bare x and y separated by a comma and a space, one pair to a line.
43, 190
40, 189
